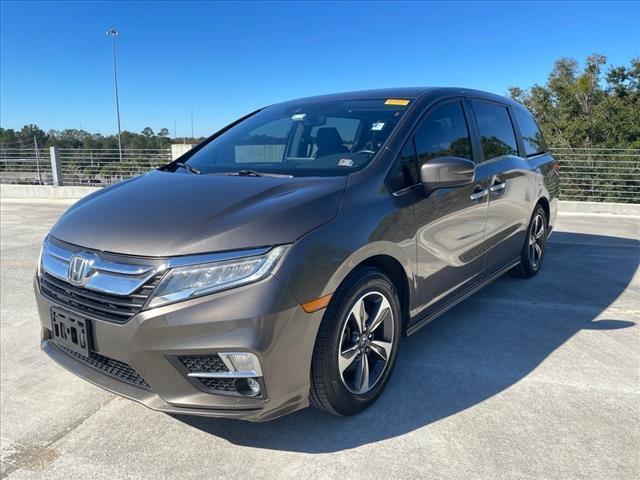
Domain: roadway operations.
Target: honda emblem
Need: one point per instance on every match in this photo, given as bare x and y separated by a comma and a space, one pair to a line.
79, 269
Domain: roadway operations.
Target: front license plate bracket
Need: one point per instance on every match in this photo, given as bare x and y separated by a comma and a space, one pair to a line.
71, 331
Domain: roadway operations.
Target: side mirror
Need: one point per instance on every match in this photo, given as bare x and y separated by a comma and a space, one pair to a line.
446, 172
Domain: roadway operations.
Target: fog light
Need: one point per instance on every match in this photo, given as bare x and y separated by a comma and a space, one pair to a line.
254, 386
249, 387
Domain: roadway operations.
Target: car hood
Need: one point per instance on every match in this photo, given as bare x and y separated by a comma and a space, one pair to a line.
166, 214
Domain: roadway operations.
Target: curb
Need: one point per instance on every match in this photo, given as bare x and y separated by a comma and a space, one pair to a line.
565, 206
30, 192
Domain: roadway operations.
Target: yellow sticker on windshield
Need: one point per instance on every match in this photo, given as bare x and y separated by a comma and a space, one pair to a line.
397, 101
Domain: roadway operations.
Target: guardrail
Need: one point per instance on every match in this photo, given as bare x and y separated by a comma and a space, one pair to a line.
594, 174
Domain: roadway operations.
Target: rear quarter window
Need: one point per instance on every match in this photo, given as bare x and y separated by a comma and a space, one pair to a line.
531, 135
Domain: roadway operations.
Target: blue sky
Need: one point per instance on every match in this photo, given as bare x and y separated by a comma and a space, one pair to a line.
226, 59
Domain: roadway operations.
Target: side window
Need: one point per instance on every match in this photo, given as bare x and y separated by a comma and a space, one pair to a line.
496, 130
405, 171
443, 133
531, 136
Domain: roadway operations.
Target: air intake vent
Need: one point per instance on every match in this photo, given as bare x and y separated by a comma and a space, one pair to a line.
204, 363
209, 364
114, 368
221, 384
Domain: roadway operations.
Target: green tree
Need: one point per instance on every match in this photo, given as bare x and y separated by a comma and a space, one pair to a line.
147, 132
8, 137
29, 132
587, 108
590, 109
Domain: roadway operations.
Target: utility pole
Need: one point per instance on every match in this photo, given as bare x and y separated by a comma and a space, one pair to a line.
113, 33
192, 125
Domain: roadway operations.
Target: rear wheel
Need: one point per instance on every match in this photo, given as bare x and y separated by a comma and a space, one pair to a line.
357, 343
533, 250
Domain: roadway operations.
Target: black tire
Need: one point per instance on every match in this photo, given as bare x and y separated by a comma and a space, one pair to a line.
529, 267
328, 389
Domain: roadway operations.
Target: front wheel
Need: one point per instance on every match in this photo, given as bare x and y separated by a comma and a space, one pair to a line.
533, 250
356, 346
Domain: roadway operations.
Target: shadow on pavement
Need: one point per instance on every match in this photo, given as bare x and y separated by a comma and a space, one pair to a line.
478, 349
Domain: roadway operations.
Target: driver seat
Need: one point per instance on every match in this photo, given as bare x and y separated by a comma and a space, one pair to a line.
329, 142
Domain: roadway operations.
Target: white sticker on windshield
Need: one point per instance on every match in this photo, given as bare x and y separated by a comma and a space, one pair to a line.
298, 117
345, 162
377, 126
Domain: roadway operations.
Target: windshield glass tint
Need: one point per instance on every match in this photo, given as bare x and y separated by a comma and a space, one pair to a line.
323, 138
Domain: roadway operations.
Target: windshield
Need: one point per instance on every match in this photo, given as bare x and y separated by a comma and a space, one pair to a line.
316, 138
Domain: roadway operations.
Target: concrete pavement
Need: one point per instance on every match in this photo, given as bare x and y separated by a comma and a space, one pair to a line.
527, 379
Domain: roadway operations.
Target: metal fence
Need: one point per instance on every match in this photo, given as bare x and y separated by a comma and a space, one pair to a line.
599, 174
25, 166
103, 167
594, 174
84, 166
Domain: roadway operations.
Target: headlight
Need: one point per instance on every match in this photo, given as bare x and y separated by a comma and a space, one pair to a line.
197, 280
39, 268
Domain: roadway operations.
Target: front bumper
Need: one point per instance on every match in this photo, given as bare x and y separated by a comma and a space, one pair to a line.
261, 318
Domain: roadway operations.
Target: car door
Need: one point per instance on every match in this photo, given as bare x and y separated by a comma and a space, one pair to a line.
450, 221
512, 184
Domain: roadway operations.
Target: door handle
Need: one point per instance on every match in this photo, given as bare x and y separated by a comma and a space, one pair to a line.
496, 187
478, 195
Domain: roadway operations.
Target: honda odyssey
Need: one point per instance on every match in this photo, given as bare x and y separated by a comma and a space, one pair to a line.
278, 263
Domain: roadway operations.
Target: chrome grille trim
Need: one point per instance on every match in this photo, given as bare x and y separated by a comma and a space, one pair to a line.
107, 277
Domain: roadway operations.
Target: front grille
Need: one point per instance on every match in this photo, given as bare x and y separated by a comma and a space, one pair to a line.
109, 366
112, 308
203, 363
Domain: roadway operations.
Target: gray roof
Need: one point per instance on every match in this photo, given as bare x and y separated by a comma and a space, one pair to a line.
406, 92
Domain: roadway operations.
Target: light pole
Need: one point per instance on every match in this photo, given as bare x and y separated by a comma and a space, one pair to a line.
113, 33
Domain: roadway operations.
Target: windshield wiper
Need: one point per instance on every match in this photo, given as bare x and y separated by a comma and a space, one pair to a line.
247, 173
187, 167
253, 173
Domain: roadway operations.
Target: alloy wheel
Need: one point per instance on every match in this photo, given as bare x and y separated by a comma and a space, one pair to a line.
366, 342
536, 241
